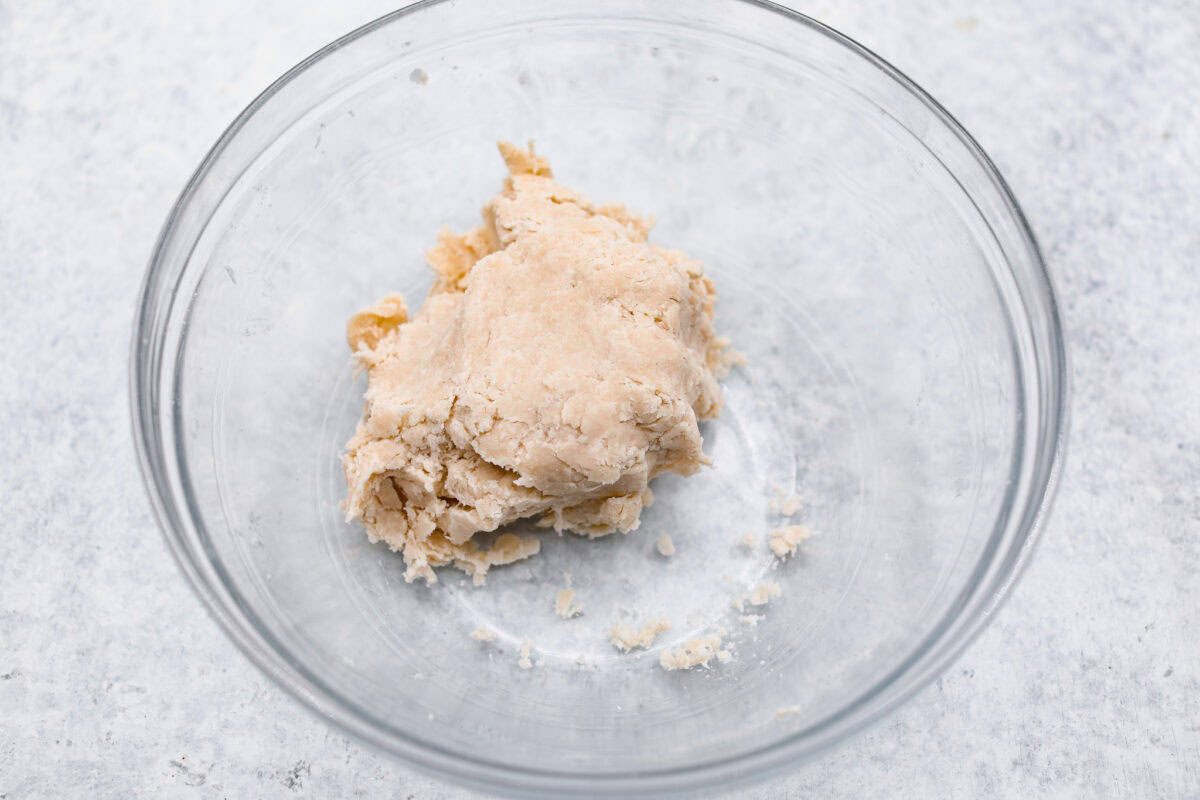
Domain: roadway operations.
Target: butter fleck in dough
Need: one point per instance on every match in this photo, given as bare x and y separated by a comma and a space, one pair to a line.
560, 362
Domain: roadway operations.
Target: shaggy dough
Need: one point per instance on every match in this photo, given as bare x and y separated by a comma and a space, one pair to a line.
559, 364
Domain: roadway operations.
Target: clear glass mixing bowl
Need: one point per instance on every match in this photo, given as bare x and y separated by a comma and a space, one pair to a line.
904, 378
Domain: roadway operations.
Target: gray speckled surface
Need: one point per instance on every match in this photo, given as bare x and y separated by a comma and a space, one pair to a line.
113, 681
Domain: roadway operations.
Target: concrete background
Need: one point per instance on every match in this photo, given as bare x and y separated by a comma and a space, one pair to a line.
115, 683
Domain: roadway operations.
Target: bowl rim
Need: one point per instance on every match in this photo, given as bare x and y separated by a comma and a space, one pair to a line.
936, 652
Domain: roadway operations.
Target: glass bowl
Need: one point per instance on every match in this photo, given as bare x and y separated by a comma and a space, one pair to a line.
904, 380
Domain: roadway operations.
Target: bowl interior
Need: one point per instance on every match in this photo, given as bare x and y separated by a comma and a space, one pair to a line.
861, 281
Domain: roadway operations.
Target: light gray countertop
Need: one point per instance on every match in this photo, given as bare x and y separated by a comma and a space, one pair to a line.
115, 683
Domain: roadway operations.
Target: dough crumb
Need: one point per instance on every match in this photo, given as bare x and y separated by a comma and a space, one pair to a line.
627, 637
785, 504
370, 326
665, 546
759, 596
730, 358
483, 635
565, 605
694, 653
750, 540
764, 592
787, 711
560, 363
525, 662
784, 540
